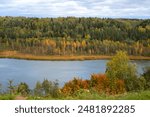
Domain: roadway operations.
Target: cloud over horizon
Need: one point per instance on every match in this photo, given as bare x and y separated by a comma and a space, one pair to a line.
77, 8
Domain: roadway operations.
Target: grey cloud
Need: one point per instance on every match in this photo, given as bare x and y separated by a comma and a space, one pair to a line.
86, 8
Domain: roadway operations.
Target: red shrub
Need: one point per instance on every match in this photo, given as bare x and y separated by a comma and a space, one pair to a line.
74, 85
100, 83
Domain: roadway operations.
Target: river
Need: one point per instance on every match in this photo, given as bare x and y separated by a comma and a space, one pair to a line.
30, 71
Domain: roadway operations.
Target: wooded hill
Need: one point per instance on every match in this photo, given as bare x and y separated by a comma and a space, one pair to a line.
61, 36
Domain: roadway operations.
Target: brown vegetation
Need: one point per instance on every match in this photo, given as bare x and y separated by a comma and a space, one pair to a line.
18, 55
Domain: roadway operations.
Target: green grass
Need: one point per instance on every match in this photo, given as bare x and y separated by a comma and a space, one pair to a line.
141, 95
7, 97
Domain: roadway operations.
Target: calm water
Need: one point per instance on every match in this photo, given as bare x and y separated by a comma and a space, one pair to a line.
33, 71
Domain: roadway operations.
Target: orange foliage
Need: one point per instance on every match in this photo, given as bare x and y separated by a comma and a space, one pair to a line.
74, 85
120, 86
102, 84
98, 82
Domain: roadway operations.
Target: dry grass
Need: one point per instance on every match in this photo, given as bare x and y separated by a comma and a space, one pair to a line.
17, 55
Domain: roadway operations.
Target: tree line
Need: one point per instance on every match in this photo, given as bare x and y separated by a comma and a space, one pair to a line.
75, 47
74, 28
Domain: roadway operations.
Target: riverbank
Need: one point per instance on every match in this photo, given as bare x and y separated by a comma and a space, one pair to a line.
17, 55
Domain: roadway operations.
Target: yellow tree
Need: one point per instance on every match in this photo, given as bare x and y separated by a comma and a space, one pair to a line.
120, 68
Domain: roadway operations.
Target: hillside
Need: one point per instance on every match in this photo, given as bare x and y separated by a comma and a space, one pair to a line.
75, 36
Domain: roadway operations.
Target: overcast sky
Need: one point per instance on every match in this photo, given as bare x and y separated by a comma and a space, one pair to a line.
78, 8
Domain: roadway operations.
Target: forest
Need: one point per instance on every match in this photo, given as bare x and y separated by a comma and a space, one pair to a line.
75, 36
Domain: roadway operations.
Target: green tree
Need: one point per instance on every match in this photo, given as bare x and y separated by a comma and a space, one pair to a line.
11, 88
50, 88
146, 76
23, 89
38, 89
46, 85
120, 68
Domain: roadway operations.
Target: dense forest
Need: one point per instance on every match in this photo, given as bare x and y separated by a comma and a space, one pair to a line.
75, 36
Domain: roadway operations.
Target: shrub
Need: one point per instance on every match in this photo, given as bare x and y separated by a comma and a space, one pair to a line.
135, 84
74, 85
146, 76
120, 86
38, 91
102, 84
23, 89
47, 88
55, 92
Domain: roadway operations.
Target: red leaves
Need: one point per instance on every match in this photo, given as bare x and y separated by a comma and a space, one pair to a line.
99, 82
74, 85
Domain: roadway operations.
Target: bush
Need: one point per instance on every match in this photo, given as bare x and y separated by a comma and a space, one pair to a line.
135, 84
102, 84
74, 85
120, 86
47, 88
146, 76
38, 91
23, 89
98, 83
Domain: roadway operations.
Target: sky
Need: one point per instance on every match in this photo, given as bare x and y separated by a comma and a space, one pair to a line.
78, 8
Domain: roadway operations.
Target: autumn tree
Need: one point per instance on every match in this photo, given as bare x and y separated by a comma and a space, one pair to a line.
120, 68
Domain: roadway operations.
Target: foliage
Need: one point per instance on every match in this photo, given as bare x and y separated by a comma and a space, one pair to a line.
38, 91
65, 36
135, 84
98, 83
46, 85
119, 68
23, 89
146, 75
102, 84
71, 87
11, 87
47, 88
89, 28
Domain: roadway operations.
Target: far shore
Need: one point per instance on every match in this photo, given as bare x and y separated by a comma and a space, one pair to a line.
17, 55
